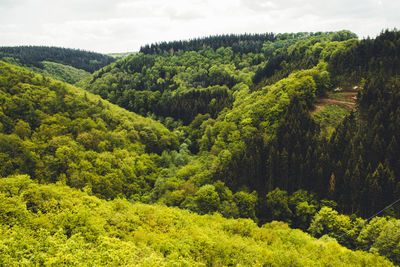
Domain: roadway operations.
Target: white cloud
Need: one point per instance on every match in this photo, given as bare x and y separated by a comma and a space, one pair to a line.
125, 25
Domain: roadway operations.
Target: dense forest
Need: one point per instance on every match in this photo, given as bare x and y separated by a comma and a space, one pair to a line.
35, 55
56, 132
299, 128
244, 43
56, 225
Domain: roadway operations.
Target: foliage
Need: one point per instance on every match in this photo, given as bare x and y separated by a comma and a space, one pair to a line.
243, 144
63, 73
120, 55
56, 71
33, 56
380, 235
63, 226
180, 87
367, 58
292, 53
56, 132
330, 116
242, 43
277, 203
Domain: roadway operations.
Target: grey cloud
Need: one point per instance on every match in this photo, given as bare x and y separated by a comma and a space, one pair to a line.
321, 8
121, 25
4, 4
265, 6
187, 13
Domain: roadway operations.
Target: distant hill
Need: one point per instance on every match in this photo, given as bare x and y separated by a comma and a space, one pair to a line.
185, 78
64, 73
240, 43
35, 55
56, 71
302, 129
243, 43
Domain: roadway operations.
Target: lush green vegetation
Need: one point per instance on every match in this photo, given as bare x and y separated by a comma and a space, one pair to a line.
63, 73
377, 57
243, 43
67, 65
302, 210
300, 51
57, 225
188, 82
261, 135
170, 86
329, 117
56, 132
120, 55
56, 71
241, 138
33, 56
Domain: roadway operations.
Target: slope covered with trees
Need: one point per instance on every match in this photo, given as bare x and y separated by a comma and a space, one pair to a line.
34, 55
256, 130
56, 71
172, 86
262, 136
192, 81
243, 43
62, 72
244, 141
57, 225
55, 132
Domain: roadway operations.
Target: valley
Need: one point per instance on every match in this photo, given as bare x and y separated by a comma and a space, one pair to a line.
237, 149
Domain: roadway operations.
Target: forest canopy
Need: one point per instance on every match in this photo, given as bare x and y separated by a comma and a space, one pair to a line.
237, 131
35, 55
57, 225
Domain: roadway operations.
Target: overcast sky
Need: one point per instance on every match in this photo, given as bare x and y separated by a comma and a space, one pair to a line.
124, 25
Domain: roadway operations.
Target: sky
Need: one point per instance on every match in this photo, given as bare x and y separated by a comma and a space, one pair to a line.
107, 26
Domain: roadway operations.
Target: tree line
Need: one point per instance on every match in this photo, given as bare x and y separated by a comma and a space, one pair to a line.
34, 55
248, 145
240, 43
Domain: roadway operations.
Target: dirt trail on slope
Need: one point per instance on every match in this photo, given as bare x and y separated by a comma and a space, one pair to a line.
346, 99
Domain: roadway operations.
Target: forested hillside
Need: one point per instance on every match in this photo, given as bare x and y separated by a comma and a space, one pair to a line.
57, 225
244, 43
185, 83
55, 132
301, 128
53, 70
34, 55
66, 65
56, 71
248, 125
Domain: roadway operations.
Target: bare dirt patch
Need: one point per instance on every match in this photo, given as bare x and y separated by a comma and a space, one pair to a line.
345, 99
